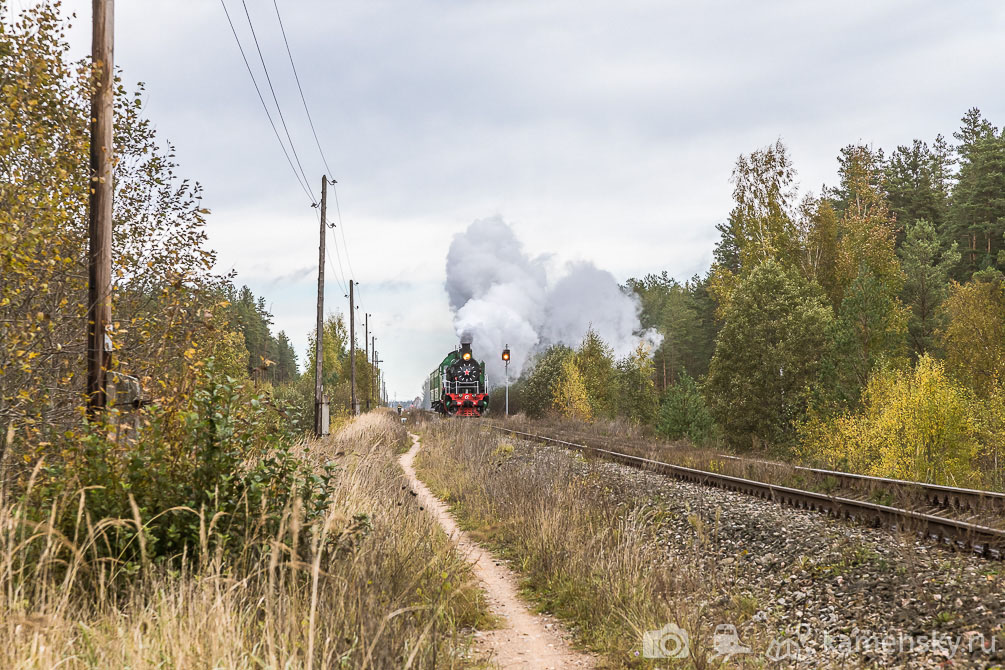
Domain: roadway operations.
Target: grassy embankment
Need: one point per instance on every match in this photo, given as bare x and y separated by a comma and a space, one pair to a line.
374, 585
588, 556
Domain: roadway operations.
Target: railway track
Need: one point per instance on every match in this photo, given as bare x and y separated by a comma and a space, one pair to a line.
968, 535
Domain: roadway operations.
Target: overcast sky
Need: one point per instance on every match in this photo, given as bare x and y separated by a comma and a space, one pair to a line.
602, 131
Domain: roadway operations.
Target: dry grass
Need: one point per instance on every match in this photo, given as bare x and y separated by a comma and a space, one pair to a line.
378, 586
588, 556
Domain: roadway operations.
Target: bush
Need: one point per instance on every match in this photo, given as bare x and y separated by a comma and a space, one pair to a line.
919, 426
683, 413
221, 453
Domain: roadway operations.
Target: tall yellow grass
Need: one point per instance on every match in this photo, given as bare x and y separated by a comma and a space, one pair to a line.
378, 586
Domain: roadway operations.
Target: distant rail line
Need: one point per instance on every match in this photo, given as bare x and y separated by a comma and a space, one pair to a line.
960, 534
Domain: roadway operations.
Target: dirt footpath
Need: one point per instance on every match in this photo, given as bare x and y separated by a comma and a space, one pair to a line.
525, 640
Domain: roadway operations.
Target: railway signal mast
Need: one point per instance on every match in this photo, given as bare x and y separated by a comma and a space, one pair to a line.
505, 357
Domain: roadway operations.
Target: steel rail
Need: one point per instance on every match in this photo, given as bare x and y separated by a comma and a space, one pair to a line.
982, 540
938, 495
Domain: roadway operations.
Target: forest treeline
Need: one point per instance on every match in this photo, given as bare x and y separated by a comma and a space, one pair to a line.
861, 328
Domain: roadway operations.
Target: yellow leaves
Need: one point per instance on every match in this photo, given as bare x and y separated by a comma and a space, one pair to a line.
916, 424
570, 397
189, 353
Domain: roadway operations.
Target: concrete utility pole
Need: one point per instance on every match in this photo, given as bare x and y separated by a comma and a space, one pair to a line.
99, 260
319, 333
366, 352
352, 351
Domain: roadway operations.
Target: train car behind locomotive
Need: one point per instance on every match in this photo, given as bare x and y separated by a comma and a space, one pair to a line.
457, 385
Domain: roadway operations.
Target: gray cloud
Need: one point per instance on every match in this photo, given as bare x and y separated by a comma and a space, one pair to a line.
601, 131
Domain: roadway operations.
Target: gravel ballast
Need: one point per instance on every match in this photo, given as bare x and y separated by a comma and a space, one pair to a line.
825, 592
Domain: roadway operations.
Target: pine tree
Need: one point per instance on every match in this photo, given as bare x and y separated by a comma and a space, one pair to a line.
286, 364
927, 269
978, 205
916, 185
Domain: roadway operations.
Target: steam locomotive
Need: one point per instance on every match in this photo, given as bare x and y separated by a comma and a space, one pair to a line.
457, 385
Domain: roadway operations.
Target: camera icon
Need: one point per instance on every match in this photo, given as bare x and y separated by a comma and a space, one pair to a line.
670, 641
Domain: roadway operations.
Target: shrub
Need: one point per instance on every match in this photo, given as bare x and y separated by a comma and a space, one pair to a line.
220, 453
919, 425
683, 413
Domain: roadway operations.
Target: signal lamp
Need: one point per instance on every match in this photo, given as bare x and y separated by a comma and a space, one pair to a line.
505, 354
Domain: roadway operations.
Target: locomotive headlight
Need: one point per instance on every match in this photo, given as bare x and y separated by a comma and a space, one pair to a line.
467, 356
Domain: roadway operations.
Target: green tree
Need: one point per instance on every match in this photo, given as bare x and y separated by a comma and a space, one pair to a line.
926, 269
335, 353
538, 388
871, 326
767, 355
683, 412
684, 314
866, 239
595, 361
917, 184
286, 366
636, 389
978, 203
761, 225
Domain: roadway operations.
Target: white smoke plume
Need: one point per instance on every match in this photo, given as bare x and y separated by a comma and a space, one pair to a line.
500, 295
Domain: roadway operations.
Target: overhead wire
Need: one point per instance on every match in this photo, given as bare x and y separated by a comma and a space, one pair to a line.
261, 98
345, 245
301, 175
303, 98
340, 269
310, 120
331, 260
275, 98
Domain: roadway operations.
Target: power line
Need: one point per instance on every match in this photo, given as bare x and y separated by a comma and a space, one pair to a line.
275, 98
338, 212
299, 88
310, 120
265, 106
331, 260
339, 258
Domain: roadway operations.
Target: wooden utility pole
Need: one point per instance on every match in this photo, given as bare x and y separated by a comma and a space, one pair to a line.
373, 366
354, 408
366, 352
319, 333
99, 260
